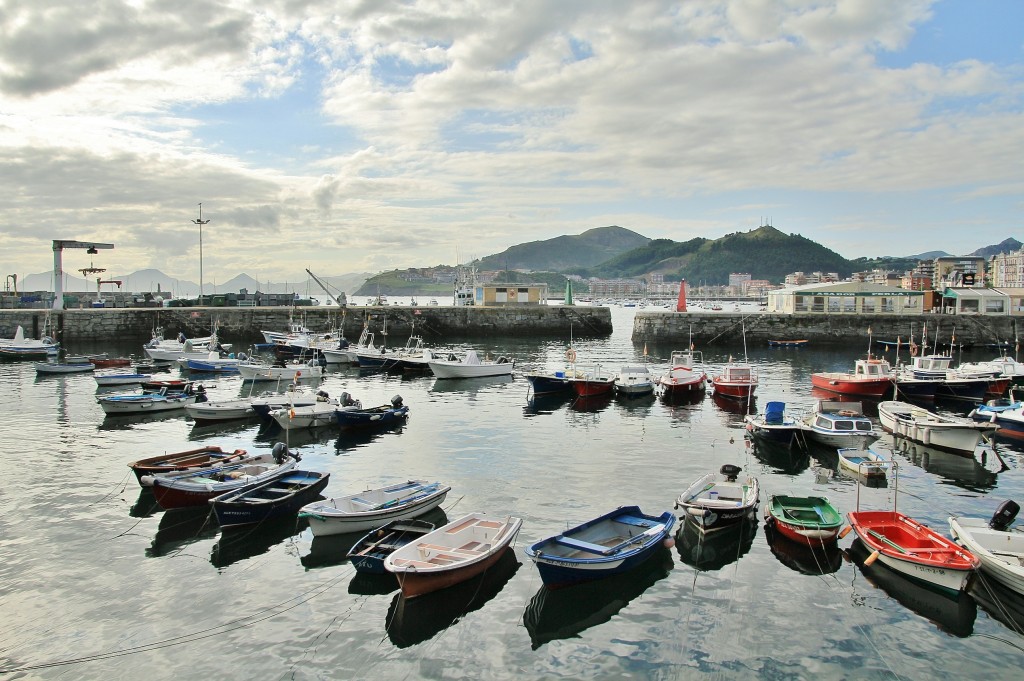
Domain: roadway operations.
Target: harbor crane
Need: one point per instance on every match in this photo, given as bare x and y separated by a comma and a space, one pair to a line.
58, 266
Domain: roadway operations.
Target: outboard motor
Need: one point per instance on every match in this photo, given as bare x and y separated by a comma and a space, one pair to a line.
396, 401
280, 452
730, 471
1004, 515
322, 396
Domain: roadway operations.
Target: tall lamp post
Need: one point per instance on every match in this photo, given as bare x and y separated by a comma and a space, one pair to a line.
200, 222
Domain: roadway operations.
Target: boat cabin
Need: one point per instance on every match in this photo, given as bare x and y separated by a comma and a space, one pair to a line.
872, 368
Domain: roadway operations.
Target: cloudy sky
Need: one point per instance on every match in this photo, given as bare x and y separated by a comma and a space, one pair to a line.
352, 136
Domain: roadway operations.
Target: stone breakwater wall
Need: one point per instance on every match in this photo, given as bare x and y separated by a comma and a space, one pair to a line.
716, 328
243, 324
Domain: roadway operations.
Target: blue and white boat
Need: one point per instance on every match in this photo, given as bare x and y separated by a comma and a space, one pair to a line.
372, 417
549, 382
20, 347
1007, 413
368, 554
146, 403
607, 545
774, 425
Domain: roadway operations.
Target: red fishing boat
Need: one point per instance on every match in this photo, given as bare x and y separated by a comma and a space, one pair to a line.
871, 377
596, 381
737, 381
686, 375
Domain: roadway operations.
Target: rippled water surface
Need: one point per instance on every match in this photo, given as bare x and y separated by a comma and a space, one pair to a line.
97, 582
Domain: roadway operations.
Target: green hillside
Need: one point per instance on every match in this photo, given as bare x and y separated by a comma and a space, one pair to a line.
588, 249
764, 253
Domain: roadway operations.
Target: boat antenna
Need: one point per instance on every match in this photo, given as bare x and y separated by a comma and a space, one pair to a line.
869, 342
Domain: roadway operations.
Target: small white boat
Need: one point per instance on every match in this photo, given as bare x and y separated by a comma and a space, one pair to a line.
20, 347
256, 370
866, 463
146, 403
949, 433
634, 380
372, 508
999, 547
218, 411
453, 553
64, 367
840, 424
470, 366
315, 415
716, 501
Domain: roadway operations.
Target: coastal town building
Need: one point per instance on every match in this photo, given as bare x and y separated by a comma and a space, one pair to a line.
959, 271
510, 294
1007, 270
848, 297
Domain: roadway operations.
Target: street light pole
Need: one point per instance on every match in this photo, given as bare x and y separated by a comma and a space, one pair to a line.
200, 222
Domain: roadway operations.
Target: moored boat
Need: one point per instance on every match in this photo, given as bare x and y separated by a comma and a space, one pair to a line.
871, 377
592, 382
372, 417
837, 424
634, 381
218, 411
685, 374
372, 508
610, 544
470, 366
453, 553
204, 457
999, 547
913, 549
720, 500
775, 426
367, 555
109, 379
867, 462
806, 520
197, 487
549, 382
949, 433
737, 381
1008, 414
63, 367
145, 403
270, 498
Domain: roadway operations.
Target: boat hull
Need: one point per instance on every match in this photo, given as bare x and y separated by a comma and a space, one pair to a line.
915, 551
843, 384
960, 436
732, 390
549, 384
1001, 552
171, 493
805, 520
241, 507
325, 524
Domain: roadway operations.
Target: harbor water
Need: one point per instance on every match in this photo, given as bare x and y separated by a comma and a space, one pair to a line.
98, 582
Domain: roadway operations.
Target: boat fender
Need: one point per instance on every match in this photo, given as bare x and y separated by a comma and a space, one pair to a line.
669, 542
871, 559
845, 531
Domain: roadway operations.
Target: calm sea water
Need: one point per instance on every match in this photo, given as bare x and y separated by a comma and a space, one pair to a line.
98, 583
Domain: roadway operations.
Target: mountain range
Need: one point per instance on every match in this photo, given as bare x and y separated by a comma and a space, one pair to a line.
605, 252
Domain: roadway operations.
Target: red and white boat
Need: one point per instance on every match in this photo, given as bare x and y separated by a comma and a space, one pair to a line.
737, 381
914, 550
596, 381
871, 377
460, 550
196, 487
686, 375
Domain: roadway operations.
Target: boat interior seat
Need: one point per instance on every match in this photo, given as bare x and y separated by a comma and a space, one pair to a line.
633, 520
587, 546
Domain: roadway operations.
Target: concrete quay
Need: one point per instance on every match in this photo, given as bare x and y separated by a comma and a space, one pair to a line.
718, 328
243, 324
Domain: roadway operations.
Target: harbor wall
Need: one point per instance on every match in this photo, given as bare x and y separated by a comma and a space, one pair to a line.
717, 328
243, 324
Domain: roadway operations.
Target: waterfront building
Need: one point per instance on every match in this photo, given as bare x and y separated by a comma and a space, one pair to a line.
848, 297
959, 271
511, 294
1007, 269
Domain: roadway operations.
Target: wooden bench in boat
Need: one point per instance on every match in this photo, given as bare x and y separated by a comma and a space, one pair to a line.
633, 520
449, 549
587, 546
408, 562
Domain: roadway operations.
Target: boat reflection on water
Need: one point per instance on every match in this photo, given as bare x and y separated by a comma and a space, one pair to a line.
715, 550
201, 432
547, 403
145, 506
963, 471
469, 385
820, 559
130, 421
332, 549
734, 406
365, 584
415, 620
554, 614
780, 457
953, 615
181, 527
354, 438
1001, 603
591, 403
244, 542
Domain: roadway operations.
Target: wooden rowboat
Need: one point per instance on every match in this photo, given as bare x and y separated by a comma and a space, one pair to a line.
203, 457
807, 520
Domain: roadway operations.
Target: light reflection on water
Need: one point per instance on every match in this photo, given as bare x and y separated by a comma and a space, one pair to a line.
89, 566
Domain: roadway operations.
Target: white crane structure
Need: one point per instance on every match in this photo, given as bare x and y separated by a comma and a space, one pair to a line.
58, 266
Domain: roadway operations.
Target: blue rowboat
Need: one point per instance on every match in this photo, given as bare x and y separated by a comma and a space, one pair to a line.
610, 544
368, 554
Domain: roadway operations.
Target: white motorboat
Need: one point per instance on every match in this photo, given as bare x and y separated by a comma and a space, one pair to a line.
145, 403
64, 367
218, 411
319, 413
106, 380
999, 547
256, 370
470, 366
635, 380
949, 433
20, 347
840, 424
